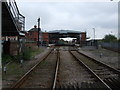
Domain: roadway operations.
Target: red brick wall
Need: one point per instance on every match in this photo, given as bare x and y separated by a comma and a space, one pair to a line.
83, 36
33, 35
14, 48
45, 36
15, 45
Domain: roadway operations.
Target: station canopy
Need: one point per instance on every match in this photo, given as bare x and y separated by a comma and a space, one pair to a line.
64, 31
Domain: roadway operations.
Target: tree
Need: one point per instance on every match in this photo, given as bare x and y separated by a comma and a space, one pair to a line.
109, 38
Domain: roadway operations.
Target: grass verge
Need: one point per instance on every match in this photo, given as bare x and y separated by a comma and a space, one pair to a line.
15, 70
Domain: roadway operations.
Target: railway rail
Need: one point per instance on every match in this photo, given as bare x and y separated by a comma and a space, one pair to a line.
20, 83
106, 74
56, 71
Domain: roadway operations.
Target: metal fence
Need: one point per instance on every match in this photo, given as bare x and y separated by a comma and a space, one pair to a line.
115, 46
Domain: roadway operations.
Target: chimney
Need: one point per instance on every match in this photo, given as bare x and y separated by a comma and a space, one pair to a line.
35, 26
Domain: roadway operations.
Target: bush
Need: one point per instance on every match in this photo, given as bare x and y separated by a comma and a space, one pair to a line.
27, 53
30, 52
6, 59
109, 38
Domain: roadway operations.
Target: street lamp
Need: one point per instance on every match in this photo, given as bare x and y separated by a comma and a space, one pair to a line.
94, 34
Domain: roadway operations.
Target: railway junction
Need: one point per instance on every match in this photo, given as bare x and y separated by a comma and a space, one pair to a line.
66, 67
57, 64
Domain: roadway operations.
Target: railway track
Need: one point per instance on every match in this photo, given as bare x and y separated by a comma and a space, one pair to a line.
34, 78
106, 74
81, 78
46, 74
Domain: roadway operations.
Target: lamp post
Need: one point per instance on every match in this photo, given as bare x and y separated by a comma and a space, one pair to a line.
80, 40
94, 35
38, 30
94, 32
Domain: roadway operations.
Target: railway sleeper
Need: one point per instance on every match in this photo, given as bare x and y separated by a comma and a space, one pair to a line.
86, 85
110, 83
115, 86
103, 71
83, 86
63, 87
96, 85
77, 86
115, 81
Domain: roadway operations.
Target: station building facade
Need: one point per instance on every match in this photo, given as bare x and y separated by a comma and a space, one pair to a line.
53, 37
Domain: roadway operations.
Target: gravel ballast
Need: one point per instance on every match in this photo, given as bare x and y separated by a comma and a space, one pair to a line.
71, 72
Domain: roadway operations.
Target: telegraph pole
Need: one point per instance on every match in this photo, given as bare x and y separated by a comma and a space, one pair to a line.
38, 31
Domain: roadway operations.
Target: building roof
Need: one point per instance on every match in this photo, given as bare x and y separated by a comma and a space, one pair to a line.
64, 31
33, 29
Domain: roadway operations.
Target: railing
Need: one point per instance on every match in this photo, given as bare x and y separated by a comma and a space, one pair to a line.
18, 19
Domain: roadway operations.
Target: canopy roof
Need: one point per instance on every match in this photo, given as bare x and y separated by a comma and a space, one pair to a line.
64, 31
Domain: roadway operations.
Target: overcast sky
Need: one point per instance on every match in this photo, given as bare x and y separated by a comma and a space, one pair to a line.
80, 16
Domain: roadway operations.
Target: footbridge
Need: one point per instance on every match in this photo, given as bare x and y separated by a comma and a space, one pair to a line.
55, 35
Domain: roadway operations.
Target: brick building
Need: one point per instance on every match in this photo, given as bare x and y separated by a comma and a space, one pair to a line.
32, 35
45, 38
13, 28
83, 38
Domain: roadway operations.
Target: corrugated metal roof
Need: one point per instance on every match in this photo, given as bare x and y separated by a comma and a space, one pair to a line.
64, 31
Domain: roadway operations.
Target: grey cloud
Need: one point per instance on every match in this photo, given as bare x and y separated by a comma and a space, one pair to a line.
75, 16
